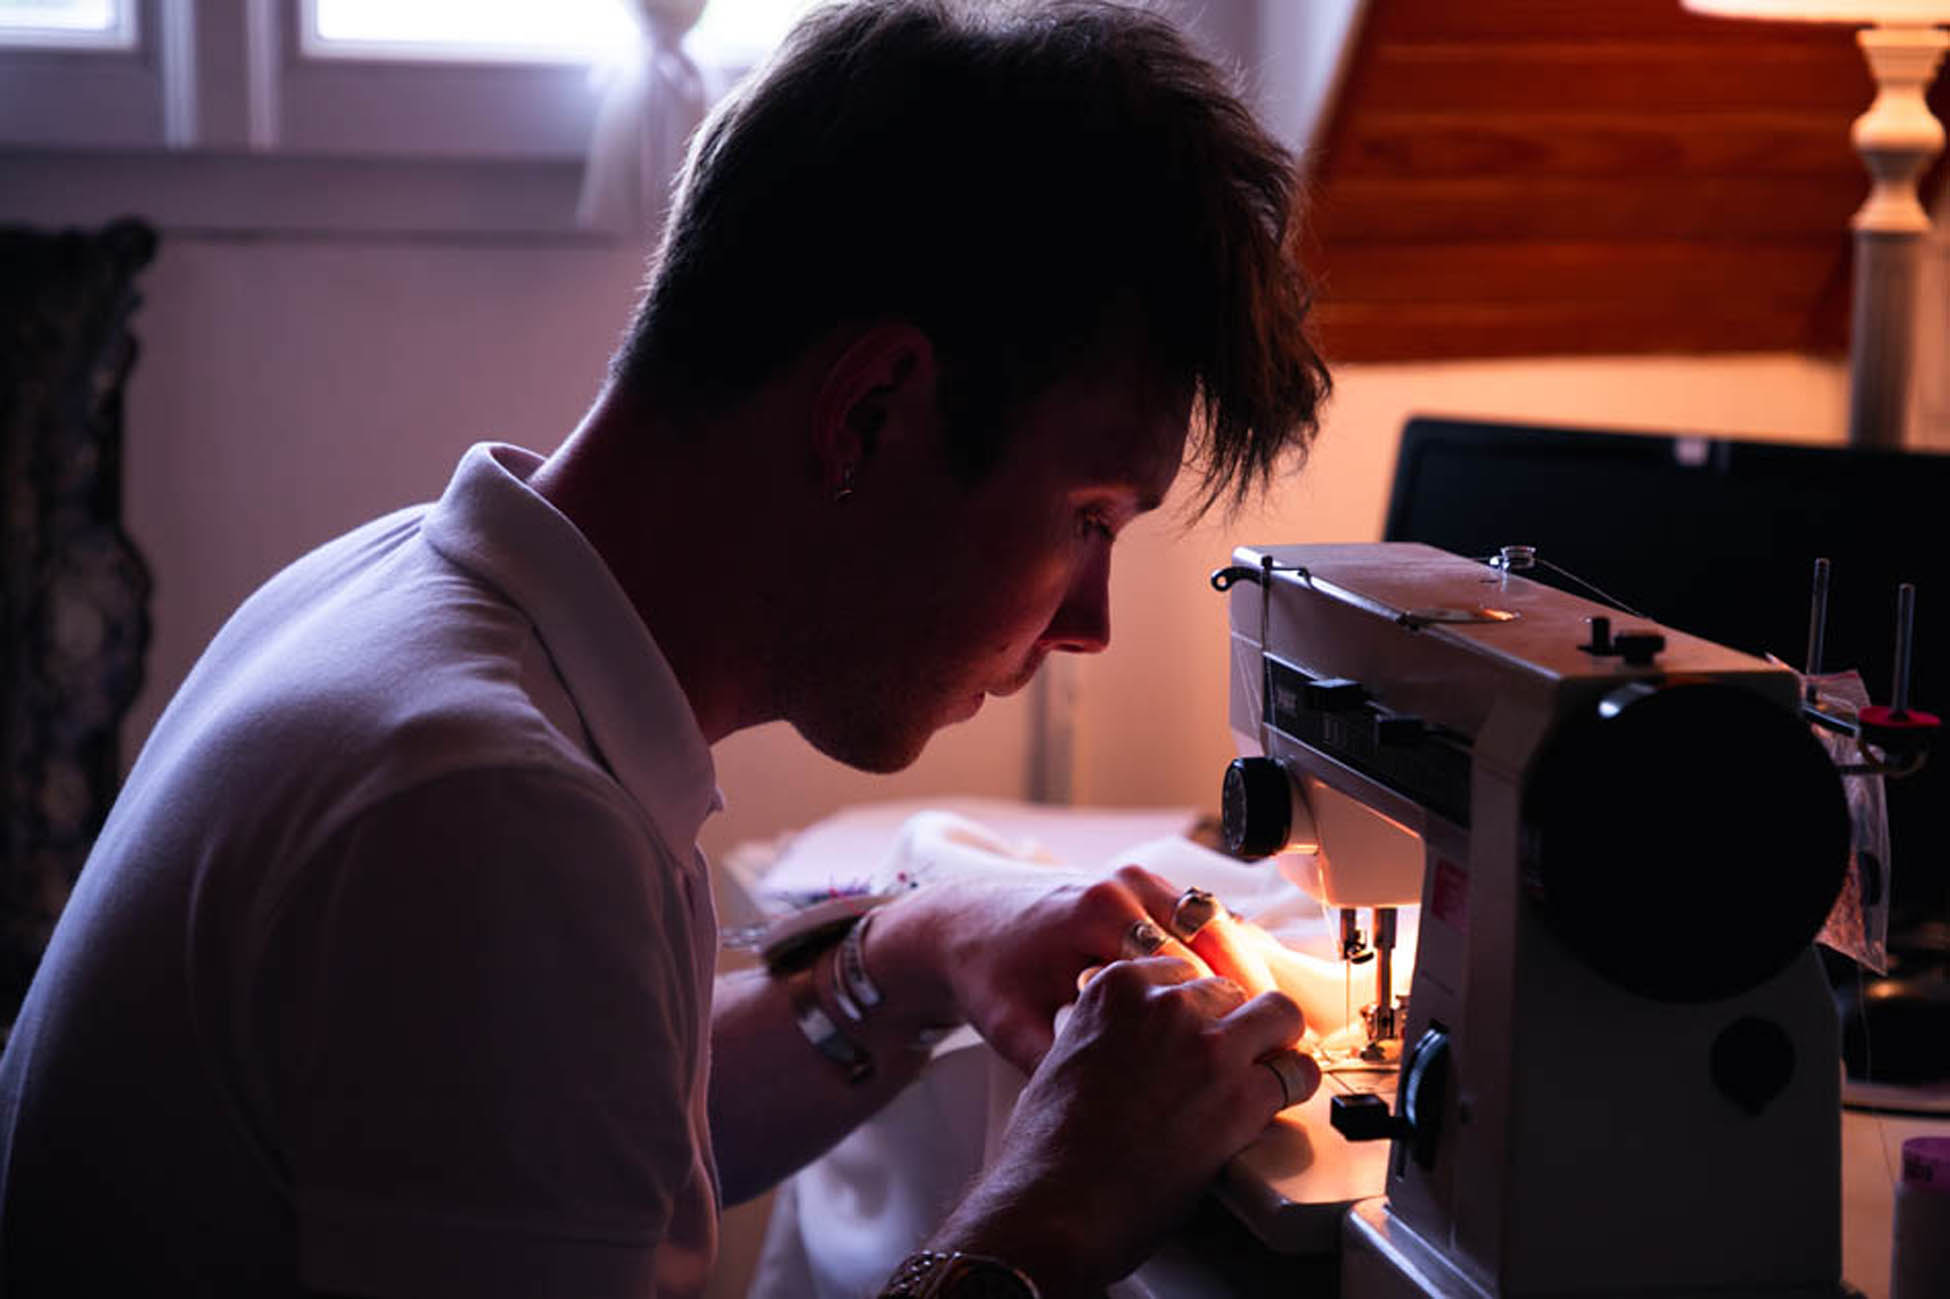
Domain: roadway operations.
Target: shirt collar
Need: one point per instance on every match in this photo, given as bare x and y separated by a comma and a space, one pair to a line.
491, 523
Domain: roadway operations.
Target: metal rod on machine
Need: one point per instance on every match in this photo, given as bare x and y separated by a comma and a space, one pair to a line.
1905, 636
1817, 627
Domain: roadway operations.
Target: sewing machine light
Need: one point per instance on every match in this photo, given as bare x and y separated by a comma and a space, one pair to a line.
1362, 857
1334, 847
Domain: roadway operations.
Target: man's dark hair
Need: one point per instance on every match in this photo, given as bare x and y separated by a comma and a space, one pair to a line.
1029, 185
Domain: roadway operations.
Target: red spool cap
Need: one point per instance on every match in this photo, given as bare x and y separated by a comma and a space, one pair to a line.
1910, 719
1903, 732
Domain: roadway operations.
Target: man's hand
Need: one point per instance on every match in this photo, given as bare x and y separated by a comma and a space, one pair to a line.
1007, 956
1152, 1084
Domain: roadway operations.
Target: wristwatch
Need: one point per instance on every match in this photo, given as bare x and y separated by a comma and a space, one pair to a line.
932, 1274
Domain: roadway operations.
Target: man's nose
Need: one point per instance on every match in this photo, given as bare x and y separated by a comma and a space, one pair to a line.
1082, 622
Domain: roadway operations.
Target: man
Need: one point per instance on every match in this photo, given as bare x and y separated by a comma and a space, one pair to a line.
391, 972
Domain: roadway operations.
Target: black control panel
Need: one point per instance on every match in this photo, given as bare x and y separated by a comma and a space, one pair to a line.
1341, 719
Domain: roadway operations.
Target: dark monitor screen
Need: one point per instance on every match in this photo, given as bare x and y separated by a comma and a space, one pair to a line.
1719, 538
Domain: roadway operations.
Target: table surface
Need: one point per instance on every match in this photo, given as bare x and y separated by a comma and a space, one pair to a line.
1872, 1147
1871, 1159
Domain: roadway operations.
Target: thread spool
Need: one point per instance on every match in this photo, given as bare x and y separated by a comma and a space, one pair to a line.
1919, 1259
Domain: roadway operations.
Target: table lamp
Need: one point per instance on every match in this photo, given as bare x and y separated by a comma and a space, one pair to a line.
1897, 139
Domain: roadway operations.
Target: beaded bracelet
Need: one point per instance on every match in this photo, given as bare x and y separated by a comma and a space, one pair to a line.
853, 987
932, 1274
856, 994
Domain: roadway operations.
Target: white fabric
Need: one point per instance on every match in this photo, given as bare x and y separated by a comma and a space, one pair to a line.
391, 971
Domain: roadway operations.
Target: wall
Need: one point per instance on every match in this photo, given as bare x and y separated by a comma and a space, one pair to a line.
289, 390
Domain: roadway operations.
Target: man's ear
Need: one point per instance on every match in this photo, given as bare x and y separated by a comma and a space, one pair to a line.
879, 389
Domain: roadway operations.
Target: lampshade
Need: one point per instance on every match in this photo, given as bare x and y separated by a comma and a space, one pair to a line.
1892, 12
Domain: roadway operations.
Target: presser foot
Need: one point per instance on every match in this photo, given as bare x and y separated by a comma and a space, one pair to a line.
1353, 1049
1382, 1051
1383, 1025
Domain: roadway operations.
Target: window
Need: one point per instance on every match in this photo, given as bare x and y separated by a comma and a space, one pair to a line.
562, 31
738, 33
68, 24
731, 33
80, 74
386, 116
484, 79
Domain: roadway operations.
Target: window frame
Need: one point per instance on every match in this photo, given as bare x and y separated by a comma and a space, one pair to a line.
228, 75
392, 105
216, 122
87, 96
217, 119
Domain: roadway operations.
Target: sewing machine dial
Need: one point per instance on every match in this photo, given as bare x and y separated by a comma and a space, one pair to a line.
1256, 808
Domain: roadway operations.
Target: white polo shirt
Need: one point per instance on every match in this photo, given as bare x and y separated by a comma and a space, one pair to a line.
390, 973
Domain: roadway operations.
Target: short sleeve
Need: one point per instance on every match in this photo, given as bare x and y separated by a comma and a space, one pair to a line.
487, 1046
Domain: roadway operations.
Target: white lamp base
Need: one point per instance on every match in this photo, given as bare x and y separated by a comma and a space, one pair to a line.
1897, 138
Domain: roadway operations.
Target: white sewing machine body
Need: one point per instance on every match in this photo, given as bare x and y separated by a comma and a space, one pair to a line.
1616, 1080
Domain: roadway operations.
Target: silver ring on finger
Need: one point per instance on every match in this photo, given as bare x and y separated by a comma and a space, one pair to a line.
1194, 912
1142, 939
1291, 1068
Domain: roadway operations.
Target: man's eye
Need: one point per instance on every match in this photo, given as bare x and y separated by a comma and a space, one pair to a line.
1096, 523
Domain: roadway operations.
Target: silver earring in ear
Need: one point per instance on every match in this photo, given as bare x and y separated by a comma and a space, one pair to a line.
846, 482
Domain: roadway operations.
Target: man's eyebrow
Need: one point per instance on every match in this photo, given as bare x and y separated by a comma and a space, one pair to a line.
1144, 499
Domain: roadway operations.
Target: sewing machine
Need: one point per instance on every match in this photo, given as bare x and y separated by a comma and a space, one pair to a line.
1618, 1057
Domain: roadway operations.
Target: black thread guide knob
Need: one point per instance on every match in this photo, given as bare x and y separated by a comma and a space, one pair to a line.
1637, 648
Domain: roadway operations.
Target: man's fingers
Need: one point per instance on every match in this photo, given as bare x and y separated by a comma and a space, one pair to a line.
1143, 936
1155, 893
1164, 969
1178, 951
1215, 997
1294, 1075
1219, 941
1265, 1023
1224, 946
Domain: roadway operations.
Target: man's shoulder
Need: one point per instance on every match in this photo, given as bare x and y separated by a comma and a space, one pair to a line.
368, 666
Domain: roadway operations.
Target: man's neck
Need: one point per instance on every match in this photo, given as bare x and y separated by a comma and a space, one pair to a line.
687, 520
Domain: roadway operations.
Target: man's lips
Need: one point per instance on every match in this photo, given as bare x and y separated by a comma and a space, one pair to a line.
1020, 680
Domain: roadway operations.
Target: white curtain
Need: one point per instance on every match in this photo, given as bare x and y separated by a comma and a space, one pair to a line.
650, 106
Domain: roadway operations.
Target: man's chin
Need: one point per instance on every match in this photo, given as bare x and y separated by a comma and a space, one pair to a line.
876, 754
886, 751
